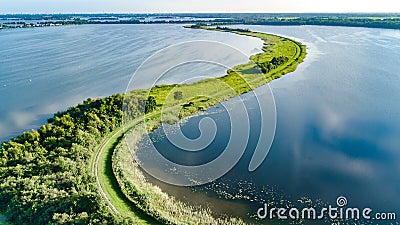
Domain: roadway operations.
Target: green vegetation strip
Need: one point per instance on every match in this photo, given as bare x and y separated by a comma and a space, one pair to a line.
280, 56
75, 170
108, 184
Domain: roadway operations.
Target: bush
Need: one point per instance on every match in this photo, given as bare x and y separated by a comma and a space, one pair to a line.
178, 95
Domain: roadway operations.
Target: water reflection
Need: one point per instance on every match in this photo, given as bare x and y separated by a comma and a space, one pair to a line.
46, 70
338, 122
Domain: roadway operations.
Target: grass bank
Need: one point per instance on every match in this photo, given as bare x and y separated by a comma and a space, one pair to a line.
108, 185
280, 56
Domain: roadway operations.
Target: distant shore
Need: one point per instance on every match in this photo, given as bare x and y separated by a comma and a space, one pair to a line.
370, 20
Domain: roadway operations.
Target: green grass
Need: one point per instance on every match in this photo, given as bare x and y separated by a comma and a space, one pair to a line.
119, 203
240, 79
118, 176
197, 96
151, 198
111, 188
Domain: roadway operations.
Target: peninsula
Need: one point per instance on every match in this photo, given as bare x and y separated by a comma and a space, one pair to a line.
77, 170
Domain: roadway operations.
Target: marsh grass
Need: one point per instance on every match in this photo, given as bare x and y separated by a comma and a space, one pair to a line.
194, 98
150, 198
240, 79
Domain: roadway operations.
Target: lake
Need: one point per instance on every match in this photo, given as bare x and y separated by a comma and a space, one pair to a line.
46, 70
337, 131
338, 116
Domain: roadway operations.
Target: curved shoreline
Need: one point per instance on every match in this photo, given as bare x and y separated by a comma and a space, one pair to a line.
132, 180
82, 145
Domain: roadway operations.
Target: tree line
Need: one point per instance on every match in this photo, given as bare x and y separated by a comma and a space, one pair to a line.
45, 177
272, 64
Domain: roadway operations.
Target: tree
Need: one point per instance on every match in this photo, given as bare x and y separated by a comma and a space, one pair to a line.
44, 175
150, 104
178, 95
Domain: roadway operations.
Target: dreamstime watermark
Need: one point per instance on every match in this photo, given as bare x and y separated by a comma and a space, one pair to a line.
340, 211
166, 66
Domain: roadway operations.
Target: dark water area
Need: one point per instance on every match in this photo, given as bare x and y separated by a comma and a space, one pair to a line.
337, 130
46, 70
337, 116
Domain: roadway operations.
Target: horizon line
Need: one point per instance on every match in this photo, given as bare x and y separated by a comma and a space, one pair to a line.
213, 12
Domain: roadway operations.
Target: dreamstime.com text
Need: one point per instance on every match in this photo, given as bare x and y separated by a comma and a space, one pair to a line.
340, 211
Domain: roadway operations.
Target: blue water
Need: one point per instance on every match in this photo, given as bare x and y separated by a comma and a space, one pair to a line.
338, 127
338, 116
45, 70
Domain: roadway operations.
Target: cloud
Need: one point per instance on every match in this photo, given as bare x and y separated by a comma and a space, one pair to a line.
20, 119
2, 130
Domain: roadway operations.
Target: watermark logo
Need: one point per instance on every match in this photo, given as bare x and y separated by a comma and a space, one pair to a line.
180, 65
341, 201
340, 211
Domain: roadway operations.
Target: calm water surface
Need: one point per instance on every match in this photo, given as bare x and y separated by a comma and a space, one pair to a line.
338, 127
45, 70
338, 120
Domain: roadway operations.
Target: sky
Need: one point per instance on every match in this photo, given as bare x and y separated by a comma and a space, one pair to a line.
171, 6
